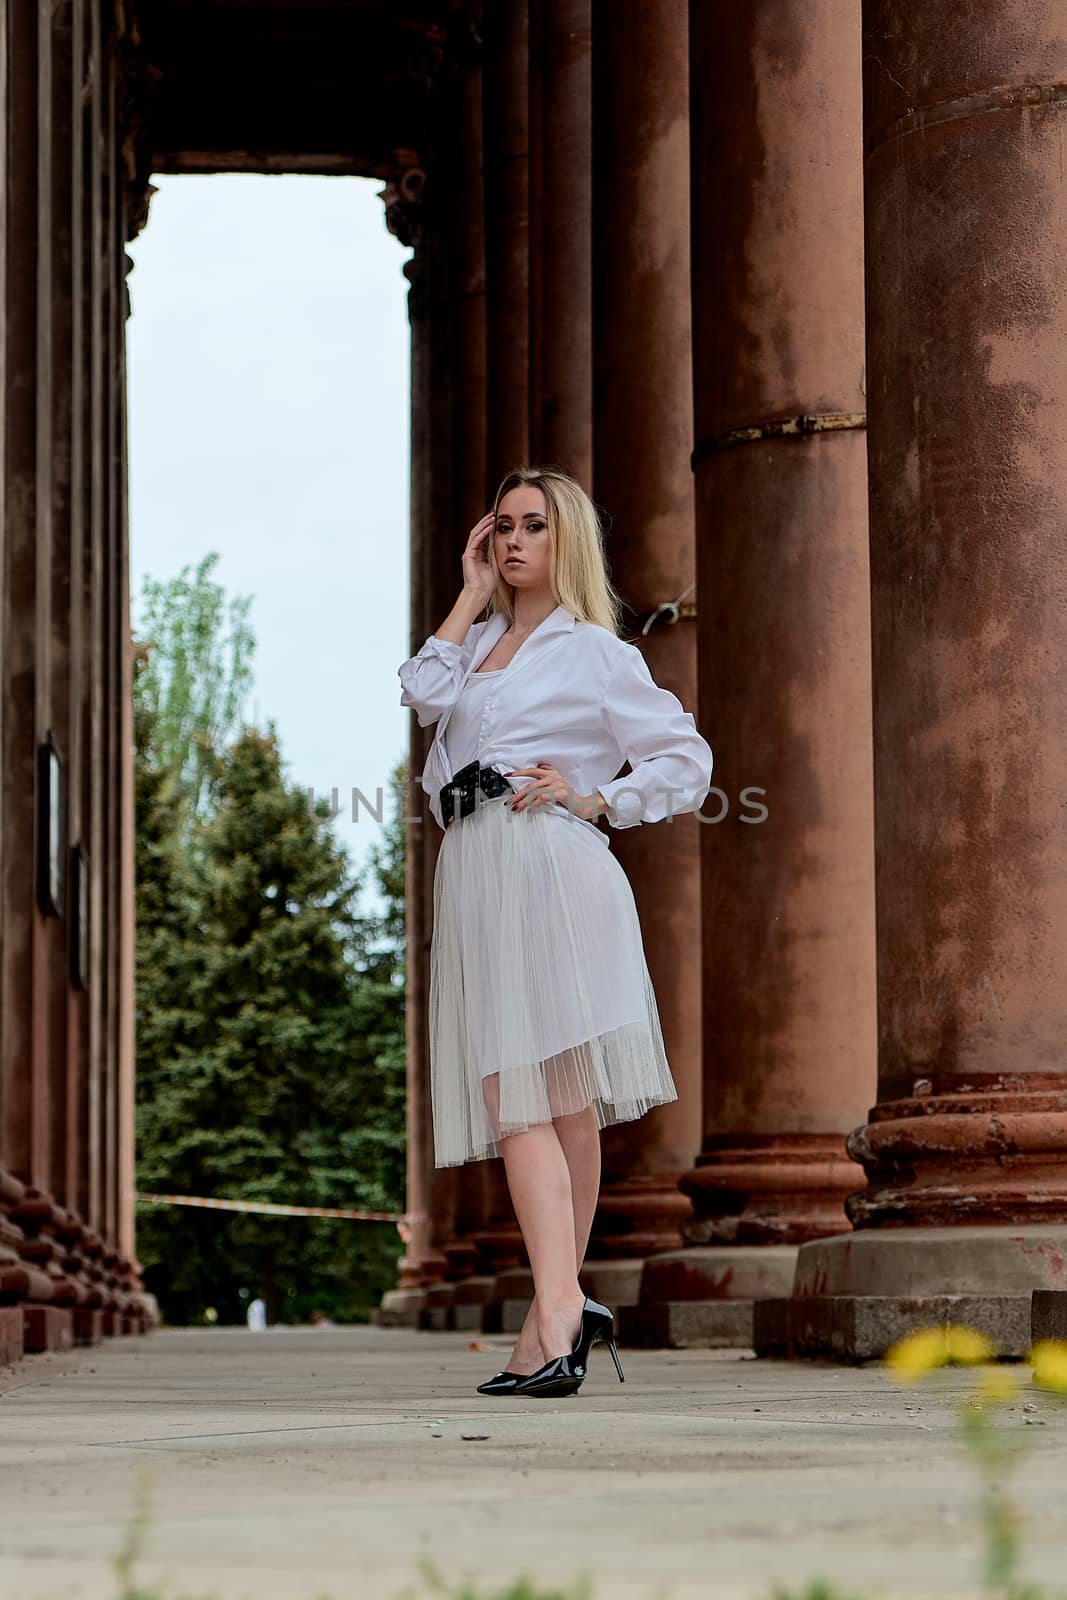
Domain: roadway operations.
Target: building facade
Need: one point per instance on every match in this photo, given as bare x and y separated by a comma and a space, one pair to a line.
755, 274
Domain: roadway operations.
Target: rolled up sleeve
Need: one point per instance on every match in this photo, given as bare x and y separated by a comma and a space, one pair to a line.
671, 760
431, 678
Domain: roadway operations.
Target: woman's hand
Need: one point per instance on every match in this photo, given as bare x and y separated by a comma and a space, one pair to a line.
479, 576
549, 785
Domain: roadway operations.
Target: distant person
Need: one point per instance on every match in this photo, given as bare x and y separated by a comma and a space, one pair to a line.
257, 1316
543, 1022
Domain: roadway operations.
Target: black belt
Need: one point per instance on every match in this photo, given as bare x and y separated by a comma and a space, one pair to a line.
464, 787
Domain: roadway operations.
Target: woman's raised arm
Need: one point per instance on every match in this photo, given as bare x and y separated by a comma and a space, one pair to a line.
431, 678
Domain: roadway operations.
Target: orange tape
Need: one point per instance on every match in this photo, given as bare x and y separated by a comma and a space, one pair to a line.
402, 1219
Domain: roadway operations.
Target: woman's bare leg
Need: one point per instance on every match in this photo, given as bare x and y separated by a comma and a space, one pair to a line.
579, 1139
540, 1184
579, 1136
526, 1354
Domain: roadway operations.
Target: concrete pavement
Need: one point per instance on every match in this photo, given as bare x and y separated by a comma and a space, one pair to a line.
301, 1464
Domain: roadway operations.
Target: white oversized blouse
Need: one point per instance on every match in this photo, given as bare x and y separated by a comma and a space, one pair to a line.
576, 696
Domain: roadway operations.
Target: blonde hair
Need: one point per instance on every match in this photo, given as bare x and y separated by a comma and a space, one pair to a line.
578, 566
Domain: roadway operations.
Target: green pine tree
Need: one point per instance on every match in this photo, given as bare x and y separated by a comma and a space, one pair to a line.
270, 1012
288, 1085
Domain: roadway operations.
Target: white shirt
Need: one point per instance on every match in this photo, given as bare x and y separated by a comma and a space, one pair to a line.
576, 696
467, 723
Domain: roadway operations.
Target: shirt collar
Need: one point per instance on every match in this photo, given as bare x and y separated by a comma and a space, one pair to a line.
558, 621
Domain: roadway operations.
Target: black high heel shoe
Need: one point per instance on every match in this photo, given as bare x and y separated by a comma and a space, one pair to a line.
502, 1383
565, 1375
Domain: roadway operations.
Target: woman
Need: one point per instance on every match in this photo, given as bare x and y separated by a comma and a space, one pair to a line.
542, 1018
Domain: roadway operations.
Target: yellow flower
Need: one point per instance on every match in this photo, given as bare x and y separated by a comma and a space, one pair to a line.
967, 1347
1049, 1360
948, 1345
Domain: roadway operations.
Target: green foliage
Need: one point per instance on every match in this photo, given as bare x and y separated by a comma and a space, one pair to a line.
270, 1035
814, 1591
195, 674
521, 1588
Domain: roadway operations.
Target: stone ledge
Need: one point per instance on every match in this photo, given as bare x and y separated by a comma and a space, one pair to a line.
687, 1325
864, 1327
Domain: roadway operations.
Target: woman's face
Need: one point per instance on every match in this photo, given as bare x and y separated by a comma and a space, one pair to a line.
521, 539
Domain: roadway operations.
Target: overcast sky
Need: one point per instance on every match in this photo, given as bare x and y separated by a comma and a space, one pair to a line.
268, 414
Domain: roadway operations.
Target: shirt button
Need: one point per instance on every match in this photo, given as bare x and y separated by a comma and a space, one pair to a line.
489, 705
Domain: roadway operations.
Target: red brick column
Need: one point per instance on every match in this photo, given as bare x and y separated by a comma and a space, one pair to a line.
505, 88
642, 438
780, 473
557, 356
561, 251
966, 1151
32, 981
424, 1261
485, 244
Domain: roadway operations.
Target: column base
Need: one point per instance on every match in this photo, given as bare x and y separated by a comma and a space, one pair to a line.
703, 1297
401, 1308
439, 1306
47, 1328
146, 1306
471, 1297
989, 1154
765, 1190
437, 1309
504, 1301
506, 1309
638, 1217
12, 1341
462, 1257
855, 1295
688, 1325
88, 1325
614, 1283
417, 1268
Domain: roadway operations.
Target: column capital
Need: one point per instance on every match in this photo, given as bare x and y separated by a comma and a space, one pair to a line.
402, 199
138, 79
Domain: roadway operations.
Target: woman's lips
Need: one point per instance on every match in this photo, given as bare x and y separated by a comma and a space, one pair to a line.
514, 561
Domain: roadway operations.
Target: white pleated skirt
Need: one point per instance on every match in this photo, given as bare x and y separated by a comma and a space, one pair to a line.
540, 1002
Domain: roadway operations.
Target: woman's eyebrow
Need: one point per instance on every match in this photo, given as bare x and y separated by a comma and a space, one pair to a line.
506, 517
